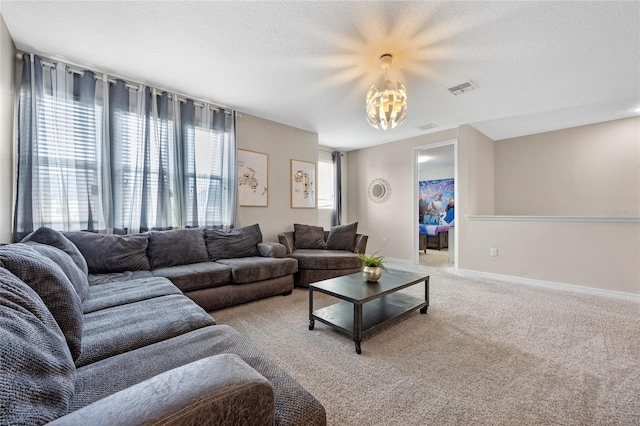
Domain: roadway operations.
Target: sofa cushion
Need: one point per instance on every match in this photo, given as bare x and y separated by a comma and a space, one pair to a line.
233, 243
326, 259
176, 247
53, 287
99, 279
38, 375
63, 260
294, 405
54, 238
251, 269
196, 276
120, 293
112, 253
308, 237
343, 237
112, 331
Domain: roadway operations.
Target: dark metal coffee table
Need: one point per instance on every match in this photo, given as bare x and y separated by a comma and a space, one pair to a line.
365, 305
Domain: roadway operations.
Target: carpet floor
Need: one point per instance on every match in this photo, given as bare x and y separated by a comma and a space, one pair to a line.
487, 353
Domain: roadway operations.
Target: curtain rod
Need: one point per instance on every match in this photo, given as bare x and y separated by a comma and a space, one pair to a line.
325, 149
111, 78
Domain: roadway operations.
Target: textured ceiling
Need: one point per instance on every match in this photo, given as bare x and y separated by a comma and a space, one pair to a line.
537, 66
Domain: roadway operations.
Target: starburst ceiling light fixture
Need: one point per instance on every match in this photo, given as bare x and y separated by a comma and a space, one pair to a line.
387, 108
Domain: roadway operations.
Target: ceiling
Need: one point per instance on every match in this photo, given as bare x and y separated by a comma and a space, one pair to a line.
537, 66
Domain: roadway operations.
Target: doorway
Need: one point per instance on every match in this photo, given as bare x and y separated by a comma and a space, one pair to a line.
435, 182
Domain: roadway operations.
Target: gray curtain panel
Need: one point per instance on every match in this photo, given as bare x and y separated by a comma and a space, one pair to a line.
336, 218
103, 155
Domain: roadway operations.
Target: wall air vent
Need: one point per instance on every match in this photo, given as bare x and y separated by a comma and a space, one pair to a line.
467, 86
428, 126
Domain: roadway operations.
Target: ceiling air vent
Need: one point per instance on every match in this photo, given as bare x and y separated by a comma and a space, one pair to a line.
428, 126
467, 86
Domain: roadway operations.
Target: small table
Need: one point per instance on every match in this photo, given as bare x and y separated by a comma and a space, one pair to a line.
365, 305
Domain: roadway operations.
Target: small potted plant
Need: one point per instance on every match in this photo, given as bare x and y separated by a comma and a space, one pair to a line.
372, 266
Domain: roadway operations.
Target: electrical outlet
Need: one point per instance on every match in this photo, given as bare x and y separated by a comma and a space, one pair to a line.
384, 241
494, 252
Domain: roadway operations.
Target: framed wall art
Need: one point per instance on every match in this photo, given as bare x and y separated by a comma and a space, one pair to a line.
253, 178
303, 185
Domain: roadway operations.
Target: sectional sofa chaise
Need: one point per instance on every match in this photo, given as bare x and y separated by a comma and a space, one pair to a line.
91, 336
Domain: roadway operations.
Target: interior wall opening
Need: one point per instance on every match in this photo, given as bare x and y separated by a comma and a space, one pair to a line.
435, 192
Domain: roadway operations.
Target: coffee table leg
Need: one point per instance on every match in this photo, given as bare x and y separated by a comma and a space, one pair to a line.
357, 326
311, 320
423, 310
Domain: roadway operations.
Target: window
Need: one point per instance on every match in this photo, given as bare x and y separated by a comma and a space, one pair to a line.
103, 155
326, 185
66, 167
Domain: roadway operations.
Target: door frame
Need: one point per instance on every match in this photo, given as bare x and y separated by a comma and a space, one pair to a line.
416, 152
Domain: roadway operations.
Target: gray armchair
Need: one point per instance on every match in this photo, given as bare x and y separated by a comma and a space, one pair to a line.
327, 260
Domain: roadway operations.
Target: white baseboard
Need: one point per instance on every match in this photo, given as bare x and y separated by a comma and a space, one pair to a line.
550, 284
401, 261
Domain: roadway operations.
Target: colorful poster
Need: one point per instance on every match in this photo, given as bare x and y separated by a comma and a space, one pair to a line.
436, 202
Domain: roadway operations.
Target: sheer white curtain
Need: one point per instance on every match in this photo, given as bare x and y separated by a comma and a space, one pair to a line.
107, 156
60, 140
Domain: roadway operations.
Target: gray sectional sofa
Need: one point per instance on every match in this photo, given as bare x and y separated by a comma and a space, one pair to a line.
88, 348
323, 254
215, 268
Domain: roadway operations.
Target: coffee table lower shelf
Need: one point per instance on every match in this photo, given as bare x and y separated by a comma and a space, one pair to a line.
342, 316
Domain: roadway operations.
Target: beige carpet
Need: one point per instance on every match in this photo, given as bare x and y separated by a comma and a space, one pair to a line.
435, 258
487, 353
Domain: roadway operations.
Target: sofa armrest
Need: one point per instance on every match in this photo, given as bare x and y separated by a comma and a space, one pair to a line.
271, 249
218, 390
361, 243
286, 239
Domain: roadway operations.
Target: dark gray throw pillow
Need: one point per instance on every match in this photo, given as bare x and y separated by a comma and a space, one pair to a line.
233, 243
308, 237
54, 238
63, 260
176, 247
343, 237
38, 373
111, 252
52, 285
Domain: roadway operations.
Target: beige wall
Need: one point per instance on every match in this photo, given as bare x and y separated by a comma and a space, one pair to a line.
282, 143
599, 255
474, 189
589, 170
392, 220
592, 254
7, 78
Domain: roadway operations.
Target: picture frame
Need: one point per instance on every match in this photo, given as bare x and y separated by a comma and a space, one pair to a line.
253, 178
304, 185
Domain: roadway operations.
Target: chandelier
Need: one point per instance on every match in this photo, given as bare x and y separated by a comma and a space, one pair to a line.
387, 108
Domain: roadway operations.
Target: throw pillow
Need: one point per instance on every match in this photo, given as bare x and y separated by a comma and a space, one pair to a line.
308, 237
54, 238
38, 374
233, 243
52, 285
63, 260
343, 237
107, 253
176, 247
